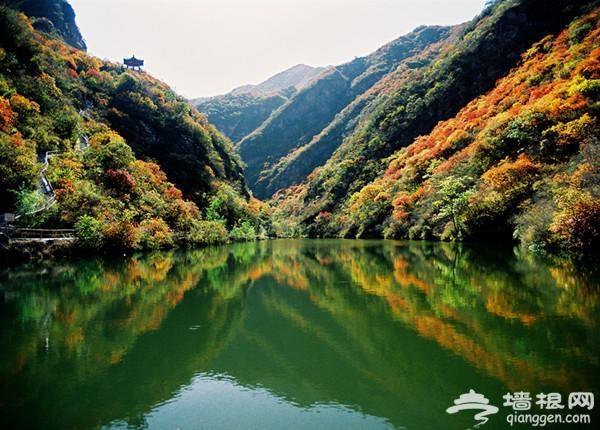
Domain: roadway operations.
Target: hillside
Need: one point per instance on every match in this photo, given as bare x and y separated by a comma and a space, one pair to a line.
129, 163
300, 162
312, 109
455, 154
237, 115
245, 108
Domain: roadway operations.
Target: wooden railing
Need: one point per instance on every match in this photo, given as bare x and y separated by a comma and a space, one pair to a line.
40, 234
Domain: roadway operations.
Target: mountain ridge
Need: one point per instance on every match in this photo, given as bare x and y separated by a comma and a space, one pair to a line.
243, 109
310, 110
296, 76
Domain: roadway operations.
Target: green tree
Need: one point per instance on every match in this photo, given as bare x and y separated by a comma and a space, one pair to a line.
454, 192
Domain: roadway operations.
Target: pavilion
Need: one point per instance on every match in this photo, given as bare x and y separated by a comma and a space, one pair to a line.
133, 63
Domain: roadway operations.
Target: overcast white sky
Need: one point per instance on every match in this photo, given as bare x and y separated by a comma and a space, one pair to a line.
208, 47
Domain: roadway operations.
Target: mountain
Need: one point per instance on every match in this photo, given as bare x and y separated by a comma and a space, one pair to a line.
238, 115
309, 111
497, 137
297, 77
294, 167
241, 111
115, 153
53, 17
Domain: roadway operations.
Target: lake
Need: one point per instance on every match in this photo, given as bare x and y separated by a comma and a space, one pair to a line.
295, 334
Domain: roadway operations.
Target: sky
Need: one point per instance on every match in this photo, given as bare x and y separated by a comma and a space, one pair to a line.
208, 47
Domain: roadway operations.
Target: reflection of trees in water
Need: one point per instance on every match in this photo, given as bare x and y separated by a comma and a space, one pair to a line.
102, 318
496, 311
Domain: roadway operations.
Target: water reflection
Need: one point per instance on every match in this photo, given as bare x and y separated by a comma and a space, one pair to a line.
319, 334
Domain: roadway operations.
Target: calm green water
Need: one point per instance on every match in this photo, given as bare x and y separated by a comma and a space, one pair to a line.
294, 335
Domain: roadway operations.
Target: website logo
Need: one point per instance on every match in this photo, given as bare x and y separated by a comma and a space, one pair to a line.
547, 409
474, 401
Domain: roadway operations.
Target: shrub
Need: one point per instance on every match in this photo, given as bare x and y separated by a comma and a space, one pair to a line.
577, 226
89, 232
207, 233
244, 231
29, 201
121, 234
155, 234
121, 180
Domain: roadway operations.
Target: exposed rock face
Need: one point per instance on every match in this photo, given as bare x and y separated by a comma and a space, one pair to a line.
55, 17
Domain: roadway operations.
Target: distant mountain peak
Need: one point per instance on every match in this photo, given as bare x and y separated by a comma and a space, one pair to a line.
297, 76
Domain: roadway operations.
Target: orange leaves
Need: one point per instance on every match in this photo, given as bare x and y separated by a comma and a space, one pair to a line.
173, 193
400, 215
72, 73
590, 67
152, 174
544, 107
509, 174
93, 73
64, 188
121, 234
155, 233
157, 176
404, 199
7, 116
258, 207
403, 202
540, 92
394, 169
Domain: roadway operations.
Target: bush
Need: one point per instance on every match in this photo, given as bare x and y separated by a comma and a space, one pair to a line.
207, 233
121, 234
89, 232
155, 234
577, 227
243, 232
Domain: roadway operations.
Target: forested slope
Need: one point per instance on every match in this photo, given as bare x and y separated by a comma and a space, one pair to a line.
131, 163
518, 161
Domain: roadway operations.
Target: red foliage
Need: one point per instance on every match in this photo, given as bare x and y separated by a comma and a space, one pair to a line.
323, 216
7, 116
64, 188
173, 193
72, 73
121, 179
93, 73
